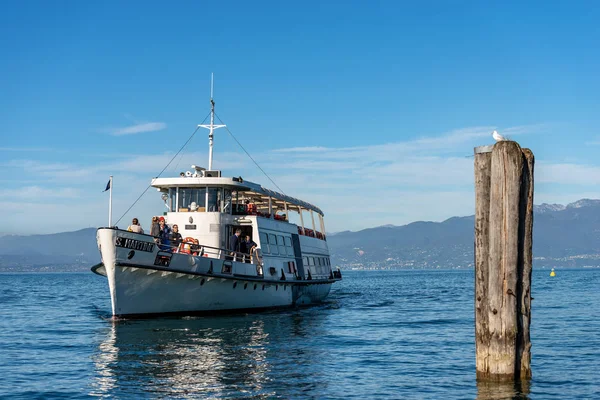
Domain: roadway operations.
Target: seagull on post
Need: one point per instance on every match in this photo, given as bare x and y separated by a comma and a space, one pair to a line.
498, 137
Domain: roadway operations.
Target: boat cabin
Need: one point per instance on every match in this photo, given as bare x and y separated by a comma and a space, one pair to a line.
210, 208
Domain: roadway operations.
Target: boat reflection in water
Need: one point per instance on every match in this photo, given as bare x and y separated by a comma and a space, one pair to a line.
241, 356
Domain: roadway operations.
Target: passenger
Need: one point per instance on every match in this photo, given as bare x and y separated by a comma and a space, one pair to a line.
164, 234
175, 237
154, 228
195, 247
249, 246
234, 245
135, 226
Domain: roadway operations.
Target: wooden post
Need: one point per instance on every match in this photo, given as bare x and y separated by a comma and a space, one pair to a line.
503, 239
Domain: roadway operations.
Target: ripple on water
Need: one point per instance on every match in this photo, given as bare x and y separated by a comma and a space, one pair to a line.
406, 334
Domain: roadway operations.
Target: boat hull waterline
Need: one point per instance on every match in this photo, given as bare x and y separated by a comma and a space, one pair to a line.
143, 280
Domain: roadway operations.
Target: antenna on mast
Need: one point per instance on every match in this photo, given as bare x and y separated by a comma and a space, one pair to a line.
212, 125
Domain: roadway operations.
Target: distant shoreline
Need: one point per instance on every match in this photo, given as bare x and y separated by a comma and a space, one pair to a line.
86, 270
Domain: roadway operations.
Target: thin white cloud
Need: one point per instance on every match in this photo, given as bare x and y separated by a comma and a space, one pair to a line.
139, 128
27, 149
448, 142
311, 149
38, 193
426, 178
569, 174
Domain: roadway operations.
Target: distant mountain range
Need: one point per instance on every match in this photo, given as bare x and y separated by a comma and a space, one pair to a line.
563, 236
63, 251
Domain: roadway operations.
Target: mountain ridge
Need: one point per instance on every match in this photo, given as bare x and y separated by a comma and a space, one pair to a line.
566, 235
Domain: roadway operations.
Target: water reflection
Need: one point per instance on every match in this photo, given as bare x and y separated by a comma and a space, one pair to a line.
240, 356
503, 390
105, 379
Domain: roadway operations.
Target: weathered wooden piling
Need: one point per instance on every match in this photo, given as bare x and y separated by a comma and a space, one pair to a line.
503, 259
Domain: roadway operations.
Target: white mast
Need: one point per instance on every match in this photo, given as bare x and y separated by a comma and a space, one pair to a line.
212, 125
110, 184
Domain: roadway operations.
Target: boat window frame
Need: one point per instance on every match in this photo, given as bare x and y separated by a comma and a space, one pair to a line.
274, 247
265, 248
281, 245
194, 194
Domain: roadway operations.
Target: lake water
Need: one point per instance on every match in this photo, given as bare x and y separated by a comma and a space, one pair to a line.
381, 334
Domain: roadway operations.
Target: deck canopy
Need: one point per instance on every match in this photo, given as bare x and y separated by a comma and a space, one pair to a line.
241, 191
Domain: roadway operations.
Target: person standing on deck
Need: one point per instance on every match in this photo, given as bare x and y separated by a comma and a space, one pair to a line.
249, 247
135, 226
154, 228
164, 235
234, 244
176, 237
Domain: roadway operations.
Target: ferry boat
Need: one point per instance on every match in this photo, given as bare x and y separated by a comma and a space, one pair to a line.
289, 266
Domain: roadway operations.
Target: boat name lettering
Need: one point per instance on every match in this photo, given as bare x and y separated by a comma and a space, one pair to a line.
134, 244
190, 227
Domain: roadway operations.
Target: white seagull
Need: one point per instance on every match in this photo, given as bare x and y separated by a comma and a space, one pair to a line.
498, 137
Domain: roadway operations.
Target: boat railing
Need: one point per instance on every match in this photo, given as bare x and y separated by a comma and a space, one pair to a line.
196, 249
200, 250
311, 233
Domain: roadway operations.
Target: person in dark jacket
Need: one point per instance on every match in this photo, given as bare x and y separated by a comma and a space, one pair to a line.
249, 246
175, 237
234, 244
164, 235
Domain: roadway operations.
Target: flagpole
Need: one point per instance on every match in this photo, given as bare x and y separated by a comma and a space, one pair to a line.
110, 202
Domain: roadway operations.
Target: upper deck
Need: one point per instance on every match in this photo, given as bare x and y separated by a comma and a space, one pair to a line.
197, 186
208, 192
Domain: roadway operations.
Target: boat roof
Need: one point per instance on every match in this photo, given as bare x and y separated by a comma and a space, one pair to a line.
235, 184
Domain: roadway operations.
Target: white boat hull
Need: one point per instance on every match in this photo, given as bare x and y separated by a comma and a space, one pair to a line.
191, 284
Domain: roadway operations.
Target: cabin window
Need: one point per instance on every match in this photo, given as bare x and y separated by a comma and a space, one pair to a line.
184, 199
214, 199
227, 202
264, 243
172, 202
191, 199
288, 246
281, 245
305, 260
273, 244
311, 261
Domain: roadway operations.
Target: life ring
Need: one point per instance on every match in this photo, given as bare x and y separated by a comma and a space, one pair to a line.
185, 245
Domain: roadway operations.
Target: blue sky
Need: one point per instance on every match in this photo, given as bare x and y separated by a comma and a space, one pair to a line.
368, 109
